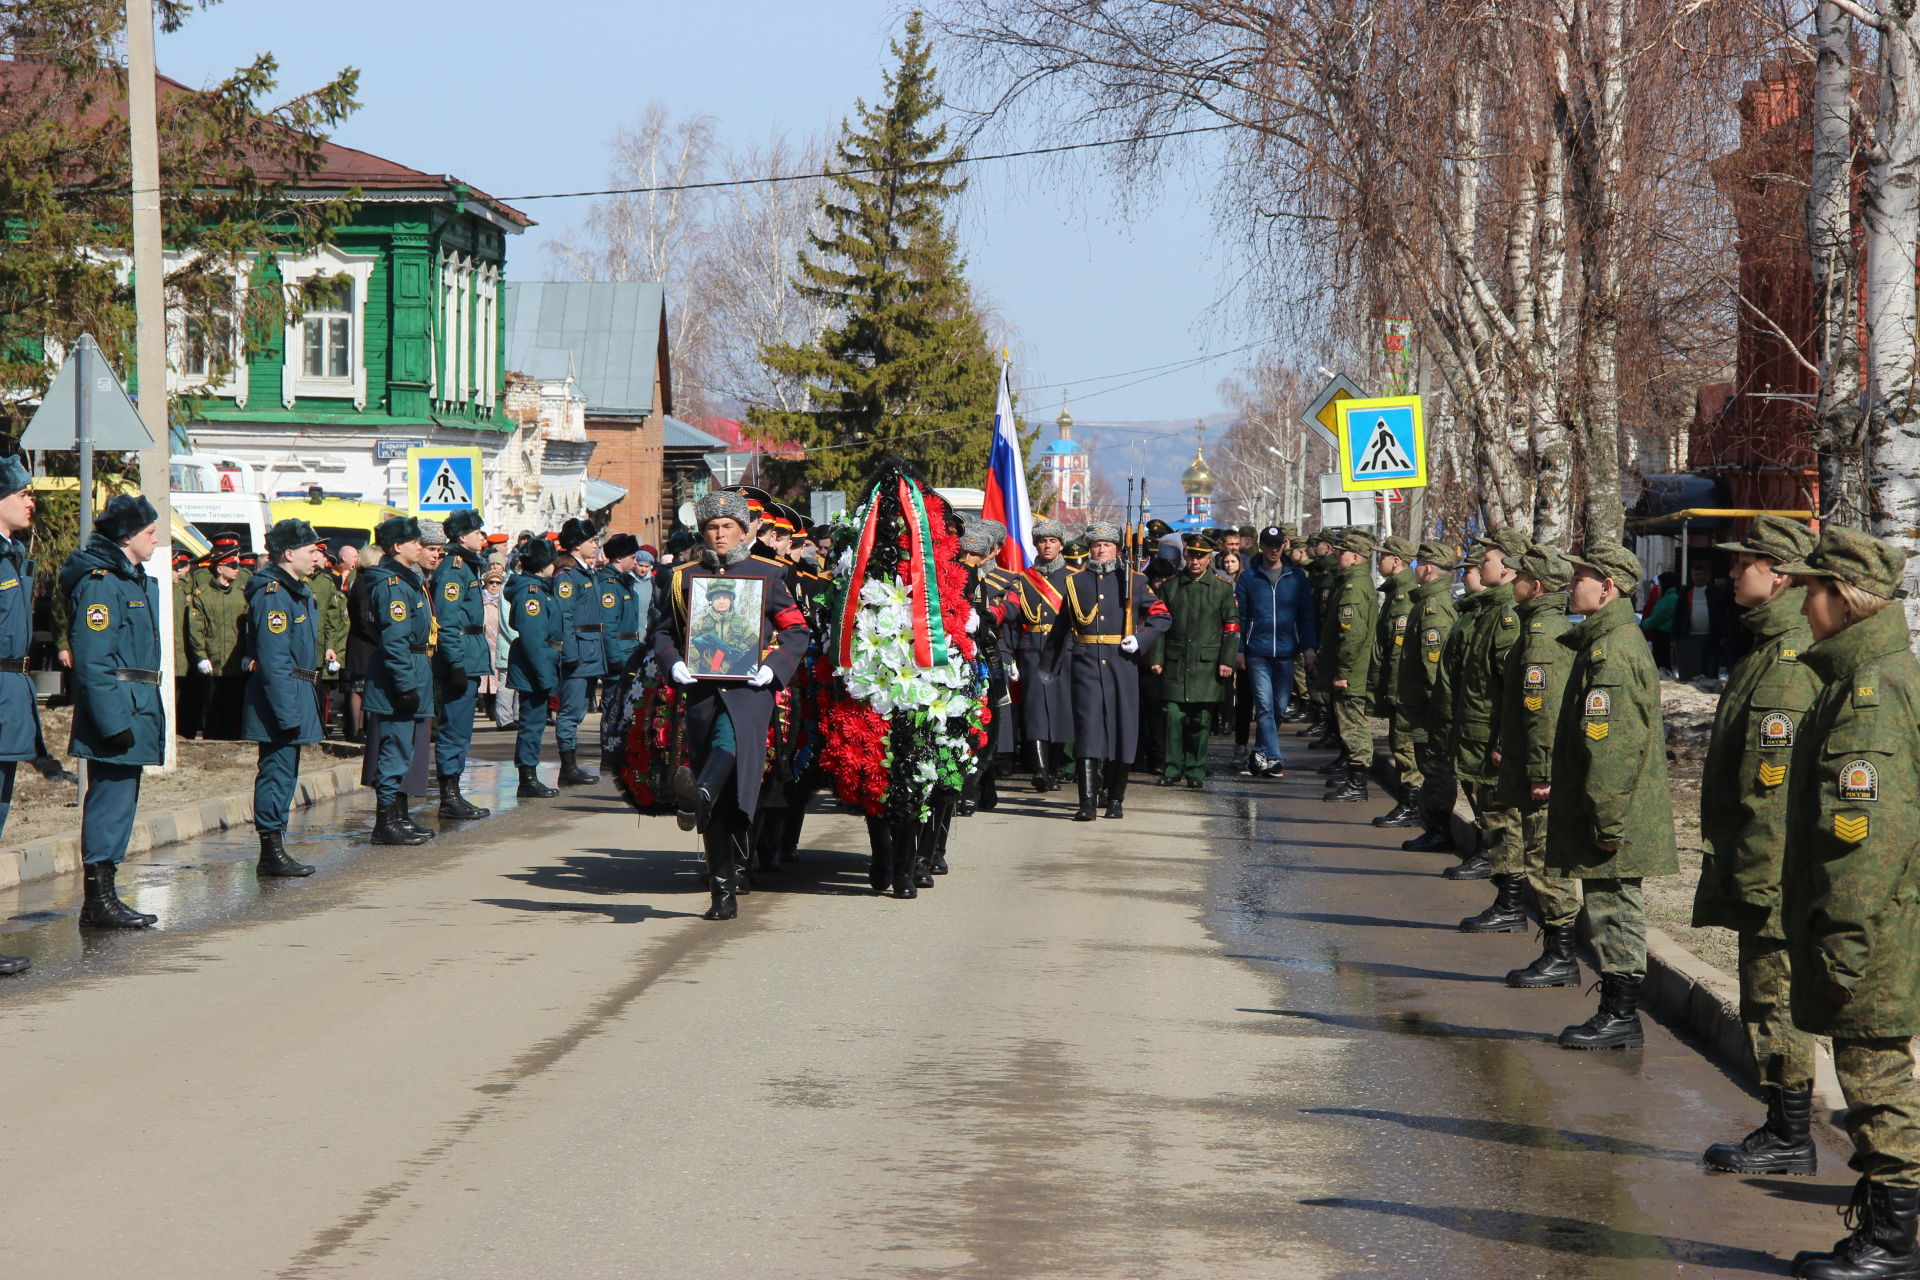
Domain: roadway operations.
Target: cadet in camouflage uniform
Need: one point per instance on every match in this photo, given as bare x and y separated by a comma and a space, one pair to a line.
1476, 682
1610, 811
1323, 573
1346, 661
1396, 607
1470, 610
1531, 691
1743, 814
1852, 915
330, 603
214, 613
1427, 789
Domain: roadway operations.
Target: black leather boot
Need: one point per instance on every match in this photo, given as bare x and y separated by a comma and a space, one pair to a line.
880, 842
571, 774
531, 788
1116, 788
1472, 866
1043, 779
1882, 1245
1616, 1024
1401, 815
274, 860
14, 964
1504, 914
724, 905
1555, 966
1087, 775
388, 828
1336, 767
943, 827
455, 805
705, 790
906, 851
101, 907
989, 788
1353, 790
1313, 728
1784, 1144
406, 820
1435, 839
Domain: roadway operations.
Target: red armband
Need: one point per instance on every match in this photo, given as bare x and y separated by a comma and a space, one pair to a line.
1158, 609
1230, 628
788, 618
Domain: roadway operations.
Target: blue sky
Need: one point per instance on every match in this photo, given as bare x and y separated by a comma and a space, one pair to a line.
520, 98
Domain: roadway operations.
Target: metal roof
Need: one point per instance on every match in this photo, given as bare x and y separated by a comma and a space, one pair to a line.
684, 435
608, 333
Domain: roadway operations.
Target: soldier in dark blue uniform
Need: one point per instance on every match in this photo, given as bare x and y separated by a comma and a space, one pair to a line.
533, 664
584, 656
1115, 616
19, 713
399, 681
460, 657
119, 720
622, 615
278, 710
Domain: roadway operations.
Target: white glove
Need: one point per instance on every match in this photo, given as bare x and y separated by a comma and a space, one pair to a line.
1130, 644
204, 667
332, 667
682, 673
762, 677
1013, 671
973, 621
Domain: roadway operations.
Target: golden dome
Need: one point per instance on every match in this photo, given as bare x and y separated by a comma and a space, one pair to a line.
1197, 479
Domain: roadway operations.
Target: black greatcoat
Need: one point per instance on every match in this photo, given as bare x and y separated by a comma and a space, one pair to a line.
1106, 679
750, 709
1039, 643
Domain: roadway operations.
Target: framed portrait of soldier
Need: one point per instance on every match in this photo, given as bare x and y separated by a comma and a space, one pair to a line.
724, 625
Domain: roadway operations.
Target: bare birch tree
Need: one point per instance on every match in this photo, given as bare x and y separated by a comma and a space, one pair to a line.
1838, 422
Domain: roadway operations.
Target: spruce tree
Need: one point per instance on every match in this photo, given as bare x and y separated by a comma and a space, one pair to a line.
906, 367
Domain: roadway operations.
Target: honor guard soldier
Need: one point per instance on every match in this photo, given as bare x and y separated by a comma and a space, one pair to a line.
988, 589
624, 620
214, 613
280, 712
533, 663
1346, 662
19, 711
1112, 611
1040, 653
1476, 683
1194, 659
584, 628
1852, 915
399, 677
1426, 788
1744, 787
1390, 645
1531, 693
460, 656
119, 720
1610, 810
726, 722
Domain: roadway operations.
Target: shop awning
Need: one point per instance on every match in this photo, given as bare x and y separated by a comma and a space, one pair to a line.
601, 494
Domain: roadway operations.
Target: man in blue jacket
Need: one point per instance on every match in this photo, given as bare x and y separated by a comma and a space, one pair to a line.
19, 713
278, 709
1277, 629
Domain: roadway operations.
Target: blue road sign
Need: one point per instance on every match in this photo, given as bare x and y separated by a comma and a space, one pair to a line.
443, 479
1383, 444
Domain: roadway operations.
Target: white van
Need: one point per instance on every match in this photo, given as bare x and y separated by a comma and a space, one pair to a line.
220, 496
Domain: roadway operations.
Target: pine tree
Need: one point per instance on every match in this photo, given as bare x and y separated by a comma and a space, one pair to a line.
906, 368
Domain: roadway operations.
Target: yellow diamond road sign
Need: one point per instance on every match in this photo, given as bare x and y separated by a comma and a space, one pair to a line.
1321, 417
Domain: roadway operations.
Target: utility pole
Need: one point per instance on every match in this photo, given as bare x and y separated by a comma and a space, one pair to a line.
150, 334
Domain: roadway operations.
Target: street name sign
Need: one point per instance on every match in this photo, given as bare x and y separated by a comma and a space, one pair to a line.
1382, 444
442, 479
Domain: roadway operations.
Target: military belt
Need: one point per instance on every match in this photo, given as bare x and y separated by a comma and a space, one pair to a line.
306, 675
416, 648
1101, 639
134, 675
14, 666
628, 635
590, 628
473, 631
1042, 629
556, 644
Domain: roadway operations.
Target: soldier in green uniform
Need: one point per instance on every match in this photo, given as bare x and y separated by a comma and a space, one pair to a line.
1476, 687
1323, 573
1743, 816
399, 680
1428, 786
186, 717
1470, 610
330, 606
1848, 885
214, 613
1390, 644
1531, 690
1194, 659
1346, 654
1610, 811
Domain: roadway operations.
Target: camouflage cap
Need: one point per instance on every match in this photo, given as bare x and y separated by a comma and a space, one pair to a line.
1288, 531
1774, 536
1547, 566
1245, 531
1611, 560
1397, 546
1358, 541
1439, 555
1856, 558
1510, 543
1473, 557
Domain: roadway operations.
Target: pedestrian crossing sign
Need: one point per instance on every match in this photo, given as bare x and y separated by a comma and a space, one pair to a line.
444, 479
1383, 444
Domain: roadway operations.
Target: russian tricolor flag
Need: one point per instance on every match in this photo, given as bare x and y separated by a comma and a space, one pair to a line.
1006, 485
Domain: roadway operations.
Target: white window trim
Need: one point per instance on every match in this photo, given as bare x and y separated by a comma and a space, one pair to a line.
294, 380
234, 383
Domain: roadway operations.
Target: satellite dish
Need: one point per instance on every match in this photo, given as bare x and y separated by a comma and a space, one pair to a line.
685, 514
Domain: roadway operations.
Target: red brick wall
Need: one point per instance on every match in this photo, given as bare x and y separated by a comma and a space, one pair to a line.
628, 452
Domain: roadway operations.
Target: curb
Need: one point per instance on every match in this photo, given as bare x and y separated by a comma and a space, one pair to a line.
59, 855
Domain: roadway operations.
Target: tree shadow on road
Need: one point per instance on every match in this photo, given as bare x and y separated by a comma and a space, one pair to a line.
1565, 1235
1407, 1023
1538, 1137
1334, 917
1374, 968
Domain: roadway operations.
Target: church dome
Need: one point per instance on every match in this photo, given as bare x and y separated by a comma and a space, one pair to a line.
1197, 479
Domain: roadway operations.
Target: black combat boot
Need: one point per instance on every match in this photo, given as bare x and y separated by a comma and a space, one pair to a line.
906, 850
1315, 727
1116, 788
571, 774
406, 821
1087, 775
1882, 1245
101, 907
1353, 790
725, 905
274, 860
1437, 838
1336, 767
1472, 866
1042, 773
1555, 966
390, 825
531, 788
989, 787
1401, 815
698, 795
1504, 914
1784, 1144
880, 841
1616, 1024
455, 805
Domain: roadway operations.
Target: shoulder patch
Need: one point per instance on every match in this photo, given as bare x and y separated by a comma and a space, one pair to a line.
397, 611
607, 600
1597, 653
1776, 729
1790, 655
566, 591
270, 588
1535, 677
98, 616
277, 622
1599, 702
532, 607
452, 590
1859, 781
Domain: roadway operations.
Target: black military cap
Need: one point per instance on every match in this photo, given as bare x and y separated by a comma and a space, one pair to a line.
289, 534
126, 514
536, 555
461, 523
395, 530
621, 545
574, 533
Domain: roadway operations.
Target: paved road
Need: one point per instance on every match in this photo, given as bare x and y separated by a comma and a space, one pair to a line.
1234, 1035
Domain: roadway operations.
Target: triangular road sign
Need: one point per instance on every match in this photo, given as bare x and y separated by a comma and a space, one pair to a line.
114, 421
1382, 453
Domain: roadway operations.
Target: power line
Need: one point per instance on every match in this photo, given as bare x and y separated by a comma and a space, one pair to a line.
847, 173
